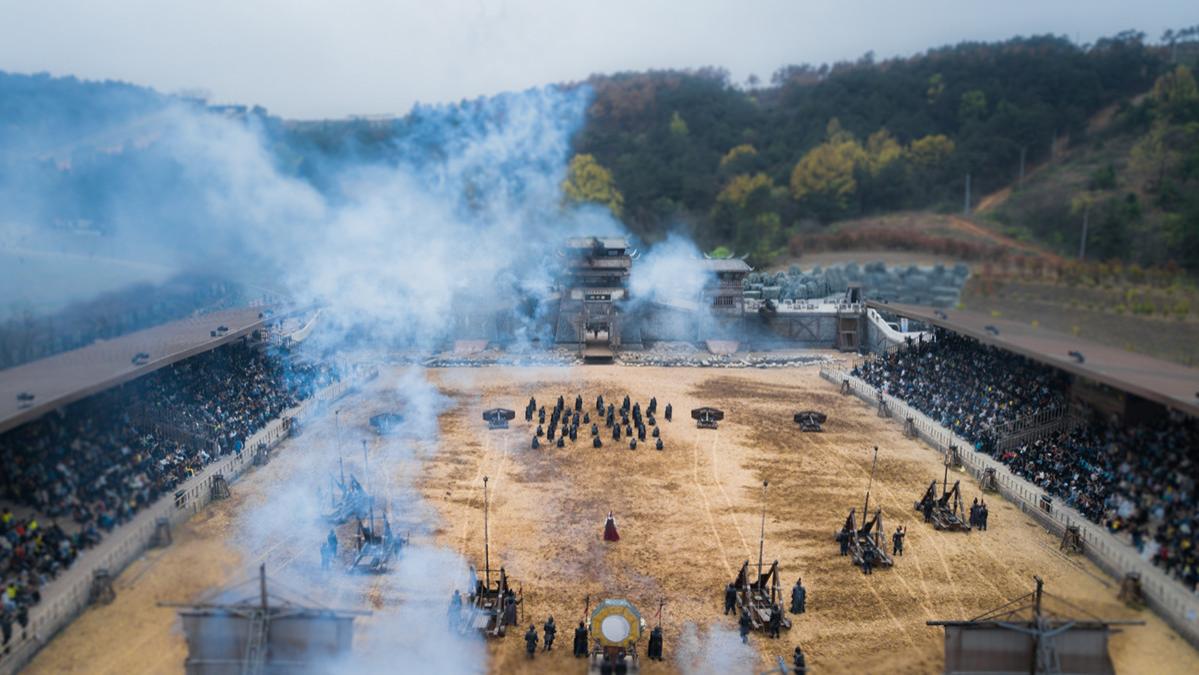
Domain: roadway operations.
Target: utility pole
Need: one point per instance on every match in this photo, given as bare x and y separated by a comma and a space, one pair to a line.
1082, 242
966, 206
1020, 181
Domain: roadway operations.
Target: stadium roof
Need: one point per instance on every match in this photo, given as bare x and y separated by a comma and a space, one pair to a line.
68, 377
1170, 384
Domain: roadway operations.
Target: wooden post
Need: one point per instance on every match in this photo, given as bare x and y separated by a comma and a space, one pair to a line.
762, 536
486, 535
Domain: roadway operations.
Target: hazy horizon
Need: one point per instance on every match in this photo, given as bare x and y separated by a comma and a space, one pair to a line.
369, 57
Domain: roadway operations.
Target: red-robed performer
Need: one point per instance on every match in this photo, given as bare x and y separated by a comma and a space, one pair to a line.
610, 533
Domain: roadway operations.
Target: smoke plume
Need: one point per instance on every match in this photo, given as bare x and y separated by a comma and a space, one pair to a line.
464, 203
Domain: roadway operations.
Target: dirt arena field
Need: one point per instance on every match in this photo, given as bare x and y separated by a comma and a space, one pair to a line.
688, 517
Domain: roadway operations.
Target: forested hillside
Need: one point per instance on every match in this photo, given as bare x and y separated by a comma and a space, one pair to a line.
1103, 132
744, 166
1128, 191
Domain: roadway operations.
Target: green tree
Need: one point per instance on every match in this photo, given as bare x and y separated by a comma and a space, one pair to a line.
1176, 94
973, 106
678, 126
765, 237
936, 87
587, 181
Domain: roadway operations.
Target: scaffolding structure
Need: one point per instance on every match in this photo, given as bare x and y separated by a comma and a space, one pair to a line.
1025, 637
263, 632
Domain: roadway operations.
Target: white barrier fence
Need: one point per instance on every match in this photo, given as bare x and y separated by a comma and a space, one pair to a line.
1167, 596
68, 595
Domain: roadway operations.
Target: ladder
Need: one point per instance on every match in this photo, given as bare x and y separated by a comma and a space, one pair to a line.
255, 644
1048, 661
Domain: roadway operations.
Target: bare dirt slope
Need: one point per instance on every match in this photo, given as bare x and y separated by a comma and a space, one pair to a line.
688, 517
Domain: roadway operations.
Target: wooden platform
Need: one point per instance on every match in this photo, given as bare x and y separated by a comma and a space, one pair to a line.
598, 354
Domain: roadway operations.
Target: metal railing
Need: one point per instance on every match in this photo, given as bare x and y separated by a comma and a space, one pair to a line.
1032, 420
64, 598
1165, 595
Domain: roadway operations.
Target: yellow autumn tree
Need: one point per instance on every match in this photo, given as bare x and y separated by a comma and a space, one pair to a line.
824, 177
678, 125
743, 151
743, 189
1176, 89
881, 150
930, 151
588, 181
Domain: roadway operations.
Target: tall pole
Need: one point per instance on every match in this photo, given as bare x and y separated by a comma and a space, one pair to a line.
1022, 152
966, 206
366, 469
762, 536
866, 506
262, 584
486, 536
945, 480
1082, 241
1036, 618
337, 426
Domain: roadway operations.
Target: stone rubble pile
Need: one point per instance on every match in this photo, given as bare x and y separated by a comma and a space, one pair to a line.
701, 359
936, 285
493, 357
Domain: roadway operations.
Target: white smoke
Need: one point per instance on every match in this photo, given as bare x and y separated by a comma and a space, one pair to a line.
719, 651
471, 206
671, 270
479, 217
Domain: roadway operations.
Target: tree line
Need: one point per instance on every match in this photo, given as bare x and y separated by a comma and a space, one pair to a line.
746, 166
749, 166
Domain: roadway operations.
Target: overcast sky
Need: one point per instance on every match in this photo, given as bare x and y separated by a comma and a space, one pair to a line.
308, 59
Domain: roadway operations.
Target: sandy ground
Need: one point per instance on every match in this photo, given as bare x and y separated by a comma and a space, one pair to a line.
688, 517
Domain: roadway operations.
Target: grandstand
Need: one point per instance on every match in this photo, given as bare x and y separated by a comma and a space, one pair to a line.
155, 413
1086, 432
1169, 384
68, 377
212, 396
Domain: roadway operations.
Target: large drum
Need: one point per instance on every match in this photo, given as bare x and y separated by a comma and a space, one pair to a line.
616, 623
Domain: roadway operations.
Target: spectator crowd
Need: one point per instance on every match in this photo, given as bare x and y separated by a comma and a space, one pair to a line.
1134, 478
94, 464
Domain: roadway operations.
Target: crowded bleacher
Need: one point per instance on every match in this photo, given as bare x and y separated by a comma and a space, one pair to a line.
1136, 478
84, 470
